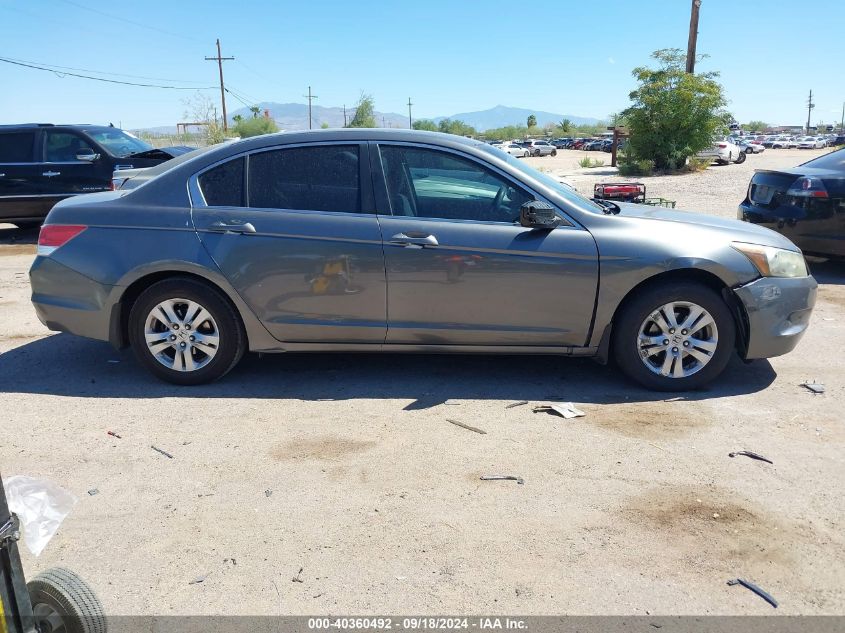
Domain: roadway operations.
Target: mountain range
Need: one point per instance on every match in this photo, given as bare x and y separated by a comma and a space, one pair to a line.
294, 116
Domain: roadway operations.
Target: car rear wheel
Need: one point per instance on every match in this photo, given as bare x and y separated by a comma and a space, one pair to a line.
185, 332
674, 337
554, 152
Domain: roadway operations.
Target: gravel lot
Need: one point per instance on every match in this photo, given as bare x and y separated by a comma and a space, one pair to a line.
345, 467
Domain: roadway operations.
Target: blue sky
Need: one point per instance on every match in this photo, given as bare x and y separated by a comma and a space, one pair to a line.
563, 56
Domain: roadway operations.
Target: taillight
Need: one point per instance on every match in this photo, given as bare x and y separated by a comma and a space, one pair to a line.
723, 145
808, 187
53, 236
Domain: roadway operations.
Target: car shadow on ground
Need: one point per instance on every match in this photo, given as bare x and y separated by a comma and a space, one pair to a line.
67, 365
831, 271
10, 234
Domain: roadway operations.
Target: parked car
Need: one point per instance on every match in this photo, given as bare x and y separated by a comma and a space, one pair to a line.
515, 150
810, 142
783, 142
398, 240
540, 148
562, 143
805, 203
42, 163
724, 152
750, 148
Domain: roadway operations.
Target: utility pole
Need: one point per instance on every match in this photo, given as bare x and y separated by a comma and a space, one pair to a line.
693, 36
310, 97
810, 106
220, 59
842, 122
383, 124
410, 120
344, 115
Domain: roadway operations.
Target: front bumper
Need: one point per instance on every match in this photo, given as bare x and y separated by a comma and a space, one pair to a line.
68, 301
778, 311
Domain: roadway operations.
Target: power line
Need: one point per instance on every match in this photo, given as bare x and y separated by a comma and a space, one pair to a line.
100, 72
234, 94
110, 81
128, 21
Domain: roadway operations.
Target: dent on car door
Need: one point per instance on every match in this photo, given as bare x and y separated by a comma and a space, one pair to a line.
460, 268
294, 231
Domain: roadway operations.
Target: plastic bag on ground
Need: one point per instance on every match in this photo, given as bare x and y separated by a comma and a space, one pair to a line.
41, 507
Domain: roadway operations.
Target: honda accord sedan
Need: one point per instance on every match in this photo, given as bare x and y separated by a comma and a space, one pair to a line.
405, 241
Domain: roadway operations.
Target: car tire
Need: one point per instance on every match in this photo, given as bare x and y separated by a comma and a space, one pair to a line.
62, 601
525, 154
748, 150
637, 330
554, 152
740, 158
177, 355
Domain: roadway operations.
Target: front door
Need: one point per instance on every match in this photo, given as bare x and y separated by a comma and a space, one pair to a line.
295, 232
63, 174
462, 271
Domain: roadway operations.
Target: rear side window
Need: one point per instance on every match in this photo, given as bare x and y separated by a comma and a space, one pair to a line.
223, 186
16, 147
324, 178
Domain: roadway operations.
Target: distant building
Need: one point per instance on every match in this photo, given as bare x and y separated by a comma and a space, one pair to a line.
786, 129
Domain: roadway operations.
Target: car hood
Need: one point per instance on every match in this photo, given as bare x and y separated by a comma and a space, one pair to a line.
733, 230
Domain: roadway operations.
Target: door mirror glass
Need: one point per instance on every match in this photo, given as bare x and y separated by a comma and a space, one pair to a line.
88, 155
538, 215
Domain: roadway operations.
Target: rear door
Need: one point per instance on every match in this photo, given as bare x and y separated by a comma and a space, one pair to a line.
294, 229
20, 193
462, 271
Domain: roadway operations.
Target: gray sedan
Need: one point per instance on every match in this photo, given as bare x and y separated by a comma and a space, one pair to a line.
402, 241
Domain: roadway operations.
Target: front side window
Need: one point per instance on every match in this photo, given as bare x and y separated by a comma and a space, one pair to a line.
434, 184
322, 178
223, 186
62, 147
16, 147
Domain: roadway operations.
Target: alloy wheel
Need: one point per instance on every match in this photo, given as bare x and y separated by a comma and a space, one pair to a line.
181, 335
678, 339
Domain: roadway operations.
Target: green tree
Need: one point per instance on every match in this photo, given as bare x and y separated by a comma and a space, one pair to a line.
237, 118
255, 111
532, 120
674, 114
255, 127
364, 112
324, 126
565, 126
756, 126
456, 126
426, 125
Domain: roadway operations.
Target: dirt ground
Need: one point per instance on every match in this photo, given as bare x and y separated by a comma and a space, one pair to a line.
346, 468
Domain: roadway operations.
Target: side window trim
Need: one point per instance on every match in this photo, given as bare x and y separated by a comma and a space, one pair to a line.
387, 206
368, 204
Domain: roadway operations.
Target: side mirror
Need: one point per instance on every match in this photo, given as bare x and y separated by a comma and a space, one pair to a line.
538, 215
87, 155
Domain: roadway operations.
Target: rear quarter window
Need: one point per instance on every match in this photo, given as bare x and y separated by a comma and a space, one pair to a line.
17, 147
223, 186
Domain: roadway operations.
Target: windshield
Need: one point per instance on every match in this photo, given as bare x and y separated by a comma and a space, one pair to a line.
560, 189
834, 160
118, 143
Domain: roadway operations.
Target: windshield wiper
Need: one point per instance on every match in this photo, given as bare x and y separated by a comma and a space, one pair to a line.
610, 208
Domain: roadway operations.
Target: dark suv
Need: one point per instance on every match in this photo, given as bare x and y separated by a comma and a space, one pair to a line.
41, 163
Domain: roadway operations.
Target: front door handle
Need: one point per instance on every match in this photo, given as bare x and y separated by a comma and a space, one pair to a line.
50, 174
414, 239
232, 227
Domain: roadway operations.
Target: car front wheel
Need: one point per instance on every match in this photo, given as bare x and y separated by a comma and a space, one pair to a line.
185, 332
740, 158
674, 337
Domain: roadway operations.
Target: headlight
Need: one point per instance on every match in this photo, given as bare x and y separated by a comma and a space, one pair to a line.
773, 262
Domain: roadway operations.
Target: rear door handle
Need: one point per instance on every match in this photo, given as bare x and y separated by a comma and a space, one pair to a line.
232, 227
414, 239
50, 174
